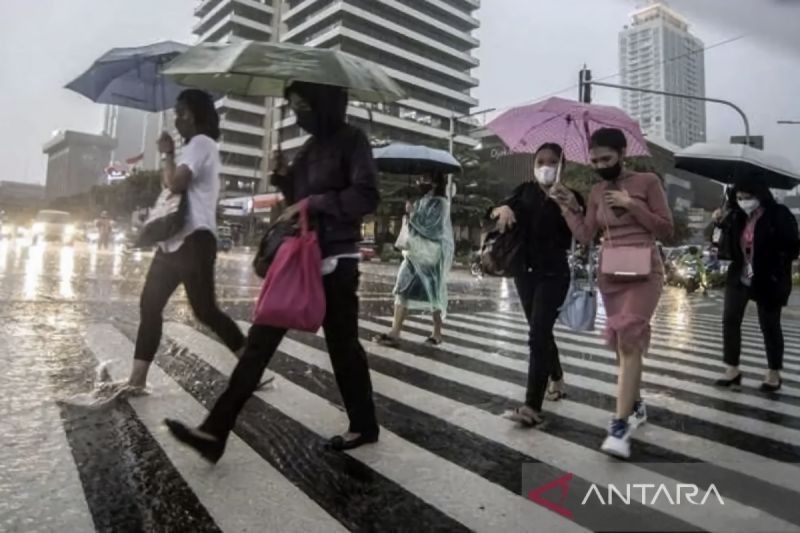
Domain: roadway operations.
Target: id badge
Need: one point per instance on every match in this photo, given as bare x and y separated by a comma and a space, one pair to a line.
749, 270
716, 236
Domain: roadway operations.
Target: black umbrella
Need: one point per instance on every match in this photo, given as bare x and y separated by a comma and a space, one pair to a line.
727, 163
414, 159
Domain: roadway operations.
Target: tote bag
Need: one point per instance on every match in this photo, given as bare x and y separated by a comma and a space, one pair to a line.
579, 310
293, 295
165, 219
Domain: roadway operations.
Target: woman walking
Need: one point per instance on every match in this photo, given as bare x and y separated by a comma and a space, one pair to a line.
188, 257
422, 278
542, 277
760, 237
334, 175
632, 212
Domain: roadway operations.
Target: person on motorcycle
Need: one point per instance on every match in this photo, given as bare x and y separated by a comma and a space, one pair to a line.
693, 258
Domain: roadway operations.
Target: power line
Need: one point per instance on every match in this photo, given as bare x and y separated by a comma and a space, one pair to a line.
610, 76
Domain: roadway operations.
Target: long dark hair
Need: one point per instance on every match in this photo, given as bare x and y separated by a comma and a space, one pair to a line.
439, 184
201, 105
553, 147
755, 186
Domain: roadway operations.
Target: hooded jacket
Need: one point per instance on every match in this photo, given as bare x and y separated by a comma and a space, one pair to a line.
334, 170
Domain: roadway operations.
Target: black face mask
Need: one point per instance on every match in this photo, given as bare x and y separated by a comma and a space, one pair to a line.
307, 121
425, 188
610, 173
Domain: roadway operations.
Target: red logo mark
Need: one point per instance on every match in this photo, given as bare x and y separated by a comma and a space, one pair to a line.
563, 482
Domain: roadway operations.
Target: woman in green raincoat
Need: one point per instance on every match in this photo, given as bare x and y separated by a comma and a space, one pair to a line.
422, 279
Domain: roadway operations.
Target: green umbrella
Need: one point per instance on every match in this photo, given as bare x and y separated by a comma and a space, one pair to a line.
250, 68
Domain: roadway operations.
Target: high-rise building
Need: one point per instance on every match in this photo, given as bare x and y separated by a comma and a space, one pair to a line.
136, 133
658, 52
76, 162
243, 120
425, 46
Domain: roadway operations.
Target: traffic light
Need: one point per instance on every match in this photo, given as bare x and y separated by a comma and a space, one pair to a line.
585, 86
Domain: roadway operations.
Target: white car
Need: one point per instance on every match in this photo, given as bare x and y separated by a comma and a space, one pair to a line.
53, 226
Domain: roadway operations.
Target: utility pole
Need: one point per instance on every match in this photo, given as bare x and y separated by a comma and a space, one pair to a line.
588, 82
585, 86
789, 122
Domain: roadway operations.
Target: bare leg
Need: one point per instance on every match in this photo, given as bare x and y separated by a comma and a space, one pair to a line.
629, 383
400, 314
437, 326
139, 373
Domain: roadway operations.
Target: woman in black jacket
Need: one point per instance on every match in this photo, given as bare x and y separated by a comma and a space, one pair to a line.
335, 174
760, 237
542, 275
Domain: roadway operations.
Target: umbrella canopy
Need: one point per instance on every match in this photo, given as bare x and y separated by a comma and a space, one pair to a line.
401, 158
131, 77
251, 68
565, 122
727, 163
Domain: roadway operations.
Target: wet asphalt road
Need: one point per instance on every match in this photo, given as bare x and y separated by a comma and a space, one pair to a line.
447, 460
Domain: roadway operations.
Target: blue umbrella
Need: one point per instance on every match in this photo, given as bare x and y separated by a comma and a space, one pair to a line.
402, 158
131, 77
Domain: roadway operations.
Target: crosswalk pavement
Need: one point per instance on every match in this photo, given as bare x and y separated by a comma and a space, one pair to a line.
447, 460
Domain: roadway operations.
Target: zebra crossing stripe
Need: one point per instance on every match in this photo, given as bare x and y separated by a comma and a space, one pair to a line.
658, 348
596, 346
47, 474
710, 451
463, 495
586, 463
227, 492
674, 404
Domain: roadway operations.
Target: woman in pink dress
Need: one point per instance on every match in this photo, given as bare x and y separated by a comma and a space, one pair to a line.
631, 210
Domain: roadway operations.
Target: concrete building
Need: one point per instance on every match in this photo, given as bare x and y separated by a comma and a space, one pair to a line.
425, 46
657, 51
17, 194
136, 133
243, 120
76, 162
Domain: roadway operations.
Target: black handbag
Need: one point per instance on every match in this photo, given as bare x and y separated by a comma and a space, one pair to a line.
500, 252
270, 243
165, 219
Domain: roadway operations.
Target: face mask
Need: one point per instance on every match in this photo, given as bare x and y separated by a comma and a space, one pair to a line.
425, 188
610, 173
545, 175
307, 121
748, 206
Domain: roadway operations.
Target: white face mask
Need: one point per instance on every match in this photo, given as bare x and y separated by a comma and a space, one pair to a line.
545, 175
748, 206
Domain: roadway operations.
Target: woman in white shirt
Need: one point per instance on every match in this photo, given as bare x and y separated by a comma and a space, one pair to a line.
187, 257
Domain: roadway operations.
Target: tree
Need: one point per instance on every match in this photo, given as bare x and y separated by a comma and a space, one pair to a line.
682, 232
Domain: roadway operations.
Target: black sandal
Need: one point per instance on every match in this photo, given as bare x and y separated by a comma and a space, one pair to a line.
433, 341
339, 444
386, 340
524, 419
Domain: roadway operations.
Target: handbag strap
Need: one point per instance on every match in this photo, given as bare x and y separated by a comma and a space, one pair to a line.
304, 217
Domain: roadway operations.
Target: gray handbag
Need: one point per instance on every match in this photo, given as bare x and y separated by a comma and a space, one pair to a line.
579, 309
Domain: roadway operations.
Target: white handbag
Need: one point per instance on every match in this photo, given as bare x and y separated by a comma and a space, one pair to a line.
402, 239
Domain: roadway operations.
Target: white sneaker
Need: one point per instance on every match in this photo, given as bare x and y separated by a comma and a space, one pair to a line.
639, 415
618, 441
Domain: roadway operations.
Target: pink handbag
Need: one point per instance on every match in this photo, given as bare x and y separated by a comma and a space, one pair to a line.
293, 295
625, 263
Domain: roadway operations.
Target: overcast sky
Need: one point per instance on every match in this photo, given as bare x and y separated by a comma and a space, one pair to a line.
529, 49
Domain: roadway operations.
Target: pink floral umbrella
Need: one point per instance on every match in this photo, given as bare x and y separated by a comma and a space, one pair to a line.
565, 122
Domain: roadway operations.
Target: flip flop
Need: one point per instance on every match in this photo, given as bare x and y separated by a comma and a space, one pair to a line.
433, 341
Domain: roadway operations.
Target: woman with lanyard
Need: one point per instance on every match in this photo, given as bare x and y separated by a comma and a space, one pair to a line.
760, 237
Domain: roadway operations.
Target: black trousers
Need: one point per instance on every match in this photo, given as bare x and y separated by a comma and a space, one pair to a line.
348, 358
541, 297
193, 266
737, 296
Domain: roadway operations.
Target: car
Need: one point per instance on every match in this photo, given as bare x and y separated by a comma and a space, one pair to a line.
50, 225
367, 250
